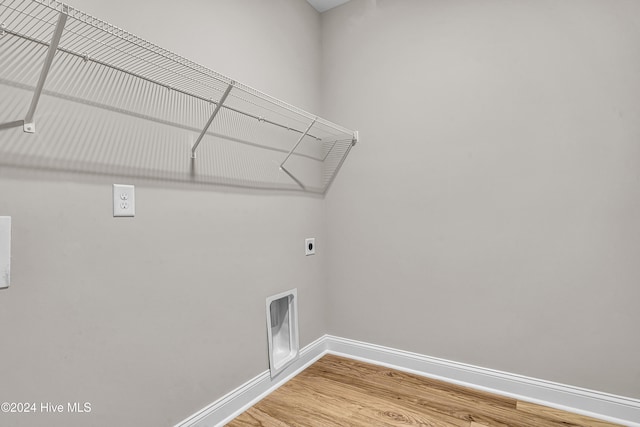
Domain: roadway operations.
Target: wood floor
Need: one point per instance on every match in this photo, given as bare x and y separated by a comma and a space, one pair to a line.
336, 391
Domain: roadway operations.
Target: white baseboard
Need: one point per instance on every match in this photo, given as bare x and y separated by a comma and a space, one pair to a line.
608, 407
239, 400
621, 410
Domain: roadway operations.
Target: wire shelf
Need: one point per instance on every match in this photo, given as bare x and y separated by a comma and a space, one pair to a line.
91, 65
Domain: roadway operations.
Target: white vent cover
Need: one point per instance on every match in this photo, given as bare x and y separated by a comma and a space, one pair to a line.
282, 330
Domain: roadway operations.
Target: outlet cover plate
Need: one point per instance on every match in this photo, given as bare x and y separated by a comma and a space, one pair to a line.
124, 200
5, 251
310, 246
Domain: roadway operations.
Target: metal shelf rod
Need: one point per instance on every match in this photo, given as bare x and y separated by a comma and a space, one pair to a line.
106, 67
87, 58
154, 50
213, 116
299, 141
29, 125
282, 168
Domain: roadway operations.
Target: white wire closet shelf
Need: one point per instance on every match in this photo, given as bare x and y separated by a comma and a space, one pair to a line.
95, 98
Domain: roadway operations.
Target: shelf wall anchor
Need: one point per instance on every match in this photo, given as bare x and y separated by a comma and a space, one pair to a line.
29, 125
213, 116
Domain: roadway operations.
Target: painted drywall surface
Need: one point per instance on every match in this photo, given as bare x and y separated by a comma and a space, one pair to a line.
492, 212
151, 318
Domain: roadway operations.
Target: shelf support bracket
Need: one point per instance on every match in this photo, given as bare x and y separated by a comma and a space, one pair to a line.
213, 116
293, 177
282, 168
29, 126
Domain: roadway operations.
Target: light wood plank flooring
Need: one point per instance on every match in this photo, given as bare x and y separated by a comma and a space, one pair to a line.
336, 391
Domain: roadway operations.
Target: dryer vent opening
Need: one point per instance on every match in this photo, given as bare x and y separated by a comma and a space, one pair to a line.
282, 330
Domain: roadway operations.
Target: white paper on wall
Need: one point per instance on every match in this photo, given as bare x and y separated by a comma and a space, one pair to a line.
5, 251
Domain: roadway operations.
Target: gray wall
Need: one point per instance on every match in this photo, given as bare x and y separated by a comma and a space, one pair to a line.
490, 216
154, 317
492, 213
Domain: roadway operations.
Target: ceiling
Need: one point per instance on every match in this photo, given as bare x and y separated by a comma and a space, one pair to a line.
324, 5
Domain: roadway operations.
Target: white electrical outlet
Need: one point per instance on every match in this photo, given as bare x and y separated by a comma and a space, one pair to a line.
5, 251
310, 246
124, 200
